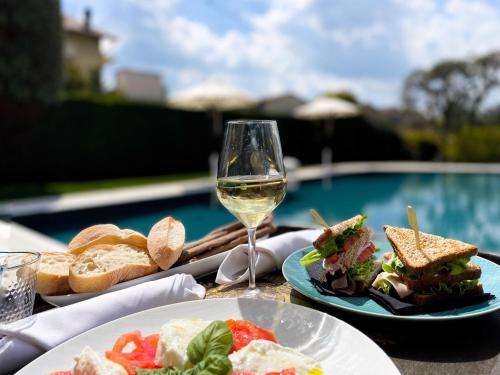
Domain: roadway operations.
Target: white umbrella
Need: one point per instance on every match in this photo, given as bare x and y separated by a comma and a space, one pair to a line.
214, 96
325, 108
328, 109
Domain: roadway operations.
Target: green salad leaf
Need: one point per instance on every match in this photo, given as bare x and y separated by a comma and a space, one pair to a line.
331, 246
458, 288
387, 268
216, 338
362, 271
159, 371
383, 285
466, 285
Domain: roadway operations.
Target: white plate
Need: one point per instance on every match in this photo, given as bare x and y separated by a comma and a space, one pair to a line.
339, 347
197, 268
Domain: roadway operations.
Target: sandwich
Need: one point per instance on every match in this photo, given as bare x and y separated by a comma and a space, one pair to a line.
346, 254
439, 270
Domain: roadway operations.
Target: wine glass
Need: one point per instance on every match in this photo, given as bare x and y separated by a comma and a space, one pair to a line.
251, 179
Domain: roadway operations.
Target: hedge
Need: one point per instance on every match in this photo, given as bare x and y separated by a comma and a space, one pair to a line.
83, 140
475, 144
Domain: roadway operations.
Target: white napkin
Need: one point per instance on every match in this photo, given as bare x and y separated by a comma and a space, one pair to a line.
28, 338
271, 253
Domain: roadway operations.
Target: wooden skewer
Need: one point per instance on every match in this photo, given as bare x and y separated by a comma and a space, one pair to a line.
319, 219
412, 219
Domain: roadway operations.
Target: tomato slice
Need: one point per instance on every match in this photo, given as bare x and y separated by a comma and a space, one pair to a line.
244, 332
366, 253
141, 356
288, 371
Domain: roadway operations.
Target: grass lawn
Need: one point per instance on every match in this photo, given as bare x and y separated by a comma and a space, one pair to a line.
26, 190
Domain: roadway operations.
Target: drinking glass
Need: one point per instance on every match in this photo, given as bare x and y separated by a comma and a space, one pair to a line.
18, 273
251, 179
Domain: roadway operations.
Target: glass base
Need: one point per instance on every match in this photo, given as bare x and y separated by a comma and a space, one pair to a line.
256, 293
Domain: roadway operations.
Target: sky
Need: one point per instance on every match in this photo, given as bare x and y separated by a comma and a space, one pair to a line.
304, 47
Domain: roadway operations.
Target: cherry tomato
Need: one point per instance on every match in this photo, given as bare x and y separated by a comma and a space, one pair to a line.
244, 331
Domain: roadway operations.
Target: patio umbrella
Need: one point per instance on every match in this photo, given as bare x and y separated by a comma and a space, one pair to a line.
327, 109
213, 96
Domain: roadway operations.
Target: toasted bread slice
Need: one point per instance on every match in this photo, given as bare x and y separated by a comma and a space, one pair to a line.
53, 273
105, 234
101, 266
422, 299
435, 249
337, 230
472, 272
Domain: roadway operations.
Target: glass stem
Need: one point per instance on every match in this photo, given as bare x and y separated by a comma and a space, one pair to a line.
251, 257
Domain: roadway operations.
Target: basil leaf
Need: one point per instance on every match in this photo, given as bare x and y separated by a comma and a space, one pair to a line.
213, 364
216, 338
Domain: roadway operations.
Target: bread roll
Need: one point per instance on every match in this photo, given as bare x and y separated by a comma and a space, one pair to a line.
101, 266
105, 234
165, 242
53, 273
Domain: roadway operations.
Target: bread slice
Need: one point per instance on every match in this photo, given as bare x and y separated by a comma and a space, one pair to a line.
472, 272
422, 299
105, 234
337, 230
435, 249
101, 266
53, 273
165, 242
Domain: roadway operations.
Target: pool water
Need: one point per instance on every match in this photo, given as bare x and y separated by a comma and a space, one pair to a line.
460, 206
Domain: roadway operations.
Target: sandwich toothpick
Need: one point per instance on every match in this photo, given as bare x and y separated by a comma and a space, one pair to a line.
319, 219
412, 219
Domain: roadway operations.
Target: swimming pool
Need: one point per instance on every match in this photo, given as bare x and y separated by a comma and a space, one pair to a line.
461, 206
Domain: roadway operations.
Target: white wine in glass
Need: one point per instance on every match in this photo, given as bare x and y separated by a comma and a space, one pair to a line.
251, 179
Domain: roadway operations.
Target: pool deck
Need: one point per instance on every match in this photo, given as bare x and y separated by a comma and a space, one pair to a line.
18, 236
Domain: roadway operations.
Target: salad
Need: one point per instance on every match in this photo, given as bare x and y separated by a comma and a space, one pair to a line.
197, 347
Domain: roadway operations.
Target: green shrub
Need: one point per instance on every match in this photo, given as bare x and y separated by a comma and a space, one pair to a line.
474, 144
30, 50
422, 144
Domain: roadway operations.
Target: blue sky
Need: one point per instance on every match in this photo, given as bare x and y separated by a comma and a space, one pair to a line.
307, 47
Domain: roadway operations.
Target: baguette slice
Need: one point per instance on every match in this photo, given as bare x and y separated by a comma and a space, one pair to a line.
105, 234
472, 272
422, 299
435, 249
101, 266
53, 273
165, 242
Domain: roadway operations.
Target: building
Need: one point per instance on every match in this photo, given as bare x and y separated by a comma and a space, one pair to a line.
281, 105
81, 52
140, 86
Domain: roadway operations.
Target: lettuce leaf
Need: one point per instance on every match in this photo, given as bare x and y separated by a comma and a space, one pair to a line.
384, 286
362, 271
458, 288
332, 246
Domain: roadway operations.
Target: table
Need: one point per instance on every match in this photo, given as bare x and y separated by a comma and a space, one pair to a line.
470, 346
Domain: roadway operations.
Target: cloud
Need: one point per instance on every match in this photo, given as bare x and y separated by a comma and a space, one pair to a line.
304, 46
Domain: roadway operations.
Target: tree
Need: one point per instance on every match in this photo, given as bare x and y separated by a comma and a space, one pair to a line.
344, 95
451, 92
31, 50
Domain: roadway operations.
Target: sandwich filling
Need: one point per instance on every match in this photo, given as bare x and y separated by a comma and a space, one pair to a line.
347, 257
397, 277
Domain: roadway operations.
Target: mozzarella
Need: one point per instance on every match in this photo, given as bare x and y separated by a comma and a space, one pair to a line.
89, 363
174, 340
261, 356
393, 278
